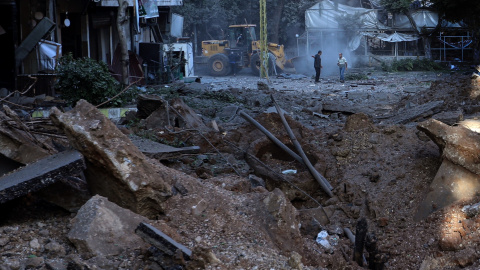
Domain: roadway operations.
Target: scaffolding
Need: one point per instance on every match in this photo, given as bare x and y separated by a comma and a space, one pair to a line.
448, 48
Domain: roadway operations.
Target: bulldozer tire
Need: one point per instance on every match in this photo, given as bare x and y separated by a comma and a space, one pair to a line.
218, 65
255, 64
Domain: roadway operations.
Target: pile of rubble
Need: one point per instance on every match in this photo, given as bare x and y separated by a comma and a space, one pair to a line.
346, 178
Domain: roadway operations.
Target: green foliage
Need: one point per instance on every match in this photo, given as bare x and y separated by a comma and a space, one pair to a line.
90, 80
396, 6
412, 65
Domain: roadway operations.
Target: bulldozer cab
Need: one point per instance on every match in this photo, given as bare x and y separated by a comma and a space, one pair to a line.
241, 36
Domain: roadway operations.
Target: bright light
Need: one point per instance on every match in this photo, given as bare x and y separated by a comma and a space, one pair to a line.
472, 124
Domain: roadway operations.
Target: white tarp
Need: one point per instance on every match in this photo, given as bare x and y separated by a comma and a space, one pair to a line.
324, 15
423, 18
48, 54
176, 28
395, 37
150, 7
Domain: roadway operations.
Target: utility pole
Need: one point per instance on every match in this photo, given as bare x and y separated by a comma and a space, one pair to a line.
263, 40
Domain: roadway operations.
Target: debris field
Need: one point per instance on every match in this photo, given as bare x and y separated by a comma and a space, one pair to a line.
248, 173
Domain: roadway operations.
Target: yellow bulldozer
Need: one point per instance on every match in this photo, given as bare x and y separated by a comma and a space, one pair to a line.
241, 41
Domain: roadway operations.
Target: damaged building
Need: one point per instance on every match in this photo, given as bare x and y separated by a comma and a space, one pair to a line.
372, 35
35, 34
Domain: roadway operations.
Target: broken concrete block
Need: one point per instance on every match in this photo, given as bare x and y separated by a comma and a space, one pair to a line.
451, 184
188, 119
280, 218
449, 118
178, 114
40, 174
458, 144
161, 241
160, 151
102, 228
116, 169
420, 111
147, 104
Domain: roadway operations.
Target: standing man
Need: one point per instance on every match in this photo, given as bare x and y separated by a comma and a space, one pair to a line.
342, 64
317, 64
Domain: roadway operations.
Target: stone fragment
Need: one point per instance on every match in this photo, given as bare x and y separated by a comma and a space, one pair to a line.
198, 209
102, 228
450, 117
458, 178
450, 241
147, 104
34, 262
116, 169
458, 144
411, 114
466, 257
295, 261
281, 221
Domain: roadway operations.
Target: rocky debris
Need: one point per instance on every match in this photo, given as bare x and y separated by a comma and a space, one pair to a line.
147, 104
171, 114
414, 112
116, 169
101, 228
458, 144
161, 151
17, 144
452, 183
186, 117
40, 174
264, 219
458, 178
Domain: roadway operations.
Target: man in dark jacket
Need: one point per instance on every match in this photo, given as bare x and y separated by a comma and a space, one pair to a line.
317, 64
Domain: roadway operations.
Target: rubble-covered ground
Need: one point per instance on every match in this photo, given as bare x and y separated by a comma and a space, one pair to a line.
241, 202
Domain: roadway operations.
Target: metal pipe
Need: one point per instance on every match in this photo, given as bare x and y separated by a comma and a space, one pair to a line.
320, 179
271, 137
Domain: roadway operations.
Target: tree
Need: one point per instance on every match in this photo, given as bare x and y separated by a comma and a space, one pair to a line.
121, 21
467, 12
208, 19
407, 7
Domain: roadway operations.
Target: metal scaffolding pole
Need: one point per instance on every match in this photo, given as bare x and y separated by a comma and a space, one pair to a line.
263, 40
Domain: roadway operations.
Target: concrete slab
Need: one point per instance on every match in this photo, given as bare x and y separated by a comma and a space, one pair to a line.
410, 114
160, 151
452, 183
40, 174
